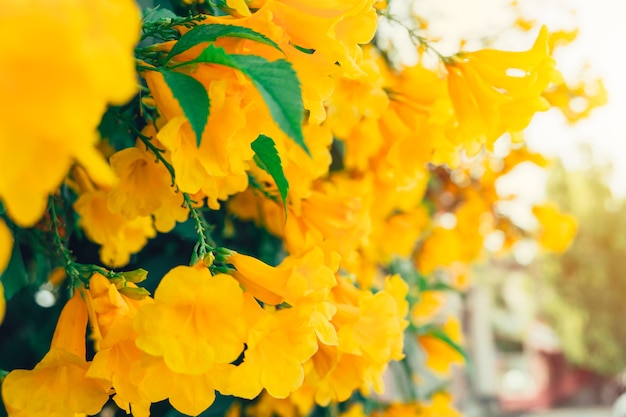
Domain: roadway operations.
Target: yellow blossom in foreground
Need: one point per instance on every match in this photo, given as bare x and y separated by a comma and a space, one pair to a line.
278, 345
87, 64
111, 315
264, 282
29, 393
195, 321
189, 394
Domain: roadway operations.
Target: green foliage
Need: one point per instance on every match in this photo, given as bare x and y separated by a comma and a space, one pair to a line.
583, 299
267, 158
15, 277
192, 97
210, 33
276, 81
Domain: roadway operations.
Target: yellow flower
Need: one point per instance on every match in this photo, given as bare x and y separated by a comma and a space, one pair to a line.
355, 410
429, 304
278, 345
145, 188
116, 355
63, 368
374, 328
264, 282
439, 354
577, 101
440, 406
494, 92
334, 29
189, 394
195, 321
118, 236
557, 230
89, 63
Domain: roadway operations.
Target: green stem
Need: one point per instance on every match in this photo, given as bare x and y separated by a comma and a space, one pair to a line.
149, 145
77, 272
203, 246
333, 410
61, 245
158, 154
422, 41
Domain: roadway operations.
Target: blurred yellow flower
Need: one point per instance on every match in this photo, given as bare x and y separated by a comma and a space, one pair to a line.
494, 91
439, 354
557, 229
55, 89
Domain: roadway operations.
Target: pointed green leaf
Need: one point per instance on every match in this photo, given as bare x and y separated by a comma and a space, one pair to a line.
267, 158
276, 81
211, 32
192, 97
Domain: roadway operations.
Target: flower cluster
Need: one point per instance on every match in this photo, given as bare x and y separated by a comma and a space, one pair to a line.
324, 196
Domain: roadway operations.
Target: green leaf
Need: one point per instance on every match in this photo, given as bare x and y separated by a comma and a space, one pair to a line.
276, 81
15, 276
210, 33
192, 97
267, 158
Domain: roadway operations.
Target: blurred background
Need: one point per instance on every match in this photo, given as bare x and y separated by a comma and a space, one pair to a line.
545, 332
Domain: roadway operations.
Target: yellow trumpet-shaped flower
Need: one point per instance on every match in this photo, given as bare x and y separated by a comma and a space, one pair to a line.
494, 92
58, 386
145, 188
119, 237
195, 321
280, 342
264, 282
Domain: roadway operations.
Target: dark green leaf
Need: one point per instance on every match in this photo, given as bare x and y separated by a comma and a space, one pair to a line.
267, 158
210, 33
193, 99
15, 276
276, 81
